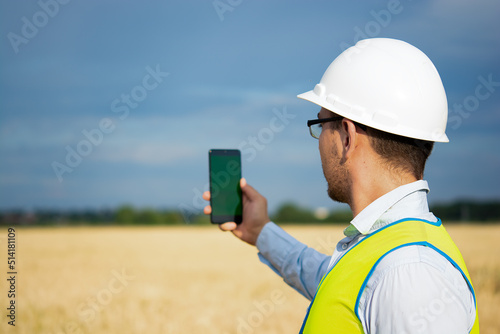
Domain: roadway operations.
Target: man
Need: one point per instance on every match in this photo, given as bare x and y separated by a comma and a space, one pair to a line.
397, 270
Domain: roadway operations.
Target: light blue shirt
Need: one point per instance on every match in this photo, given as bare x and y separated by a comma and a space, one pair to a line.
426, 293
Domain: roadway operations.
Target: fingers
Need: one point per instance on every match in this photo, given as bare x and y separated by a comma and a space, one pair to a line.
229, 226
206, 196
208, 209
243, 182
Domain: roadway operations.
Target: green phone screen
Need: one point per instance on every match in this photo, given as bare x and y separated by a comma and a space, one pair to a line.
225, 190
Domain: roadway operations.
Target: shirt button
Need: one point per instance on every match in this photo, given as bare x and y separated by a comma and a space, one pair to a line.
344, 246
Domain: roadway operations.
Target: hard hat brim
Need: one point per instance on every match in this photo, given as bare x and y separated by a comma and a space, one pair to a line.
436, 136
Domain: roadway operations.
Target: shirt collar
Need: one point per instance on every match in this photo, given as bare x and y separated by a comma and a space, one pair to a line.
364, 221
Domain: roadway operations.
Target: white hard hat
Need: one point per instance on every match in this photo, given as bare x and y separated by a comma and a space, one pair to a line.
388, 85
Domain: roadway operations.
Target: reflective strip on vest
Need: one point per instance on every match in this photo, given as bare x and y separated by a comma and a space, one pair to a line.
334, 308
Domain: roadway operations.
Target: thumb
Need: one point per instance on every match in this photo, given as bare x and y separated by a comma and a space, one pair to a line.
249, 191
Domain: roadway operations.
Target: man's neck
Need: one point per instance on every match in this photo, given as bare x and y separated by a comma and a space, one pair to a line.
368, 186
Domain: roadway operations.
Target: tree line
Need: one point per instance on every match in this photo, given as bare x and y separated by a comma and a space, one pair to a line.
458, 211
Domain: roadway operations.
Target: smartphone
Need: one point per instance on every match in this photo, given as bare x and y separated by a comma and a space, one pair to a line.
225, 190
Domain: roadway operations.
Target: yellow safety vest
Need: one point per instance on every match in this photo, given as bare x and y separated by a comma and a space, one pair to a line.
334, 308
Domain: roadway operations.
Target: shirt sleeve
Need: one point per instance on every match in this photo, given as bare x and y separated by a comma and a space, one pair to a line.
415, 290
300, 266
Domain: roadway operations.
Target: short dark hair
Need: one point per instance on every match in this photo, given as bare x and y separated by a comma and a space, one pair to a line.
400, 152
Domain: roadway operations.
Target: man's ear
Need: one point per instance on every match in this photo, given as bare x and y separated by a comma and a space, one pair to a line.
349, 137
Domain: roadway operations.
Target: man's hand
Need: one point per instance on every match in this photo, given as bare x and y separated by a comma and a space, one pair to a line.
254, 214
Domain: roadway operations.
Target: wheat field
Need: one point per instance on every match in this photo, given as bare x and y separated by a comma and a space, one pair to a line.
183, 280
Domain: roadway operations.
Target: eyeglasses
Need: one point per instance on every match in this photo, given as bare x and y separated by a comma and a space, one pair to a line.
315, 125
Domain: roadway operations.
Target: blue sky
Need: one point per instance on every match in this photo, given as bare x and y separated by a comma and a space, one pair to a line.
156, 84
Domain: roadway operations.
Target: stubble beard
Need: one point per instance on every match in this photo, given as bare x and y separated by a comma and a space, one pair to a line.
338, 187
337, 177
